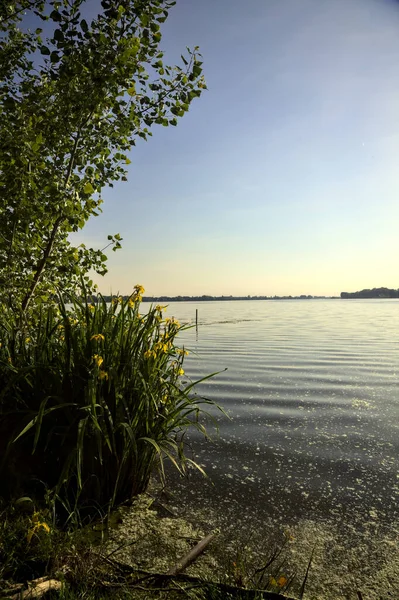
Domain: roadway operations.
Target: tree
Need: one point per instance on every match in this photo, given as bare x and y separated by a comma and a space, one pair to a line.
75, 95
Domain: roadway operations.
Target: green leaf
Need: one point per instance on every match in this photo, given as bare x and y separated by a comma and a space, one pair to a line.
197, 70
69, 124
55, 16
88, 188
58, 35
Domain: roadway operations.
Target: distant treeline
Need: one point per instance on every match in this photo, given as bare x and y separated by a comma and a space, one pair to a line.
215, 298
381, 292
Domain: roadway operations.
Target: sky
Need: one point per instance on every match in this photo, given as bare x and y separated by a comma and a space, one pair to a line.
283, 178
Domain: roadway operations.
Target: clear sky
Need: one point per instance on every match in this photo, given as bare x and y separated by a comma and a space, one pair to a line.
284, 177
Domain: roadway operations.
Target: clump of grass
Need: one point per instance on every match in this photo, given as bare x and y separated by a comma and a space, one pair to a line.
93, 397
267, 571
27, 541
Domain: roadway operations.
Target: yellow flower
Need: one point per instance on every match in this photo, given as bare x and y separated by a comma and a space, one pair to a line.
91, 307
148, 354
172, 321
98, 360
98, 337
37, 524
131, 303
27, 340
180, 372
281, 581
139, 289
161, 346
60, 327
159, 308
103, 375
272, 581
182, 352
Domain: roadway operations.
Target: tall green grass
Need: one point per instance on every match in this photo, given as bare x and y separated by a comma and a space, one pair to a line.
92, 397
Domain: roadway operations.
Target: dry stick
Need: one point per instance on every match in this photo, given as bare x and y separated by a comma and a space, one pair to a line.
248, 593
195, 581
38, 588
191, 556
302, 590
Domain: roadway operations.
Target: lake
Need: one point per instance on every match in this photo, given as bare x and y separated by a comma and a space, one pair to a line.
311, 389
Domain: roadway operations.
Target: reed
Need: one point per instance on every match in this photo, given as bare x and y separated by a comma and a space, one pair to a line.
93, 397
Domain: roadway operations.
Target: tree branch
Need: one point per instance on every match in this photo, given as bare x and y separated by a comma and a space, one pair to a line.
29, 5
42, 264
48, 249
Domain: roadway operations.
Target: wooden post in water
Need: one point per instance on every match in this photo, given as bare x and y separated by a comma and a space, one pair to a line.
196, 318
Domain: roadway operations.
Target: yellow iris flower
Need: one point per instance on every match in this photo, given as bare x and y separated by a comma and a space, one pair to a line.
98, 360
37, 524
98, 337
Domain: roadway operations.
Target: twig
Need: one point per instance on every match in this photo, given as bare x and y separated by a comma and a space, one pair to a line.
191, 556
196, 582
158, 578
302, 590
120, 547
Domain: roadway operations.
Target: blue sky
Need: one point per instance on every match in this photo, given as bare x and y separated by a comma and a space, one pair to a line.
283, 178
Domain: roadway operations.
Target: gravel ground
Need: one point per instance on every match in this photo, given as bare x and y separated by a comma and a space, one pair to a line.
345, 560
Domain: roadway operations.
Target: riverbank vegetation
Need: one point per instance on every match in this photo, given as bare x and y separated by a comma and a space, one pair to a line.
90, 395
93, 397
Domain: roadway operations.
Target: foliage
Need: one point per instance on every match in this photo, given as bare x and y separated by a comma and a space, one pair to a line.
94, 397
27, 540
75, 95
382, 292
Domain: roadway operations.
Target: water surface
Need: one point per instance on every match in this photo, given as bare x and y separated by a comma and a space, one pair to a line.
311, 389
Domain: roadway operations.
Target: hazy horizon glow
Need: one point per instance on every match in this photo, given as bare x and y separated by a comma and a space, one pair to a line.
283, 178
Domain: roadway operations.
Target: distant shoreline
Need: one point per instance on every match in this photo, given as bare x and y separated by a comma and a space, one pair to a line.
222, 298
375, 293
